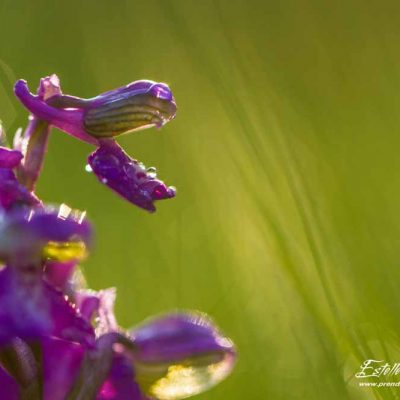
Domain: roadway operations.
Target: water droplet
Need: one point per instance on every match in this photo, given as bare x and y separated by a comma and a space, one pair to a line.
152, 172
88, 168
104, 180
172, 190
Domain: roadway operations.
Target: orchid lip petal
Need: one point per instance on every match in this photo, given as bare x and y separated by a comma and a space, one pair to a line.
127, 177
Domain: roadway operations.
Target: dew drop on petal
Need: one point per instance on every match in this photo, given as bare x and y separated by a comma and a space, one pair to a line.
152, 172
172, 191
88, 168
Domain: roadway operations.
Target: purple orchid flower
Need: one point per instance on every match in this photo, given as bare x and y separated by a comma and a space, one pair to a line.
139, 105
179, 355
58, 340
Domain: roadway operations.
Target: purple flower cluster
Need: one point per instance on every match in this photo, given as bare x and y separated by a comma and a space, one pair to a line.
58, 340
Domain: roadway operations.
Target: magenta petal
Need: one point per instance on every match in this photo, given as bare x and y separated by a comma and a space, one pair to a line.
180, 355
120, 384
9, 388
68, 120
28, 231
49, 87
9, 158
49, 223
106, 318
32, 309
139, 105
58, 274
99, 305
24, 310
52, 225
67, 323
126, 176
178, 336
11, 191
160, 90
61, 363
88, 303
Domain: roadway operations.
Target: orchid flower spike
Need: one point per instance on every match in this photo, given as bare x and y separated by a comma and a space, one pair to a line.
58, 339
139, 105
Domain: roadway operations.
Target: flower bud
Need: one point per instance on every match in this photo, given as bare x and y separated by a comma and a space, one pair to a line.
180, 355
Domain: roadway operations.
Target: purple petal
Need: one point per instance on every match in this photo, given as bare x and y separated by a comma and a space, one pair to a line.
9, 158
99, 305
58, 274
88, 303
49, 87
162, 91
67, 323
139, 105
12, 192
134, 89
178, 336
120, 384
56, 233
58, 224
128, 177
106, 318
67, 120
9, 387
180, 355
61, 363
31, 309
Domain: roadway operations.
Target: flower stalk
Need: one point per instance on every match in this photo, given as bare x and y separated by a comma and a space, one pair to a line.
59, 340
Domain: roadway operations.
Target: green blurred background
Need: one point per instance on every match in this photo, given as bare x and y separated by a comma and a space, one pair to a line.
285, 152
